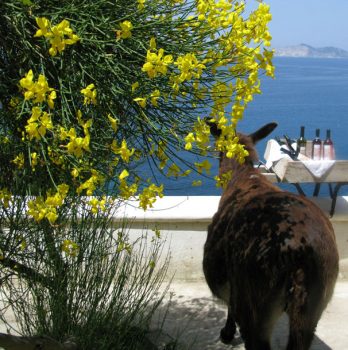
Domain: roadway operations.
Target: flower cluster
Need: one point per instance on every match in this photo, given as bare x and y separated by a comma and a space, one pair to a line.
41, 208
148, 196
38, 91
224, 179
76, 145
90, 94
91, 184
59, 35
5, 197
38, 124
156, 61
123, 151
126, 30
97, 205
126, 190
189, 67
70, 248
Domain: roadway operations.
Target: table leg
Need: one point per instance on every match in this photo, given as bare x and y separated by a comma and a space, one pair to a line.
330, 190
316, 189
299, 189
334, 197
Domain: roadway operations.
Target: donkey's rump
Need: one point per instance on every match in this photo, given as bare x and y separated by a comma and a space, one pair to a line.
280, 230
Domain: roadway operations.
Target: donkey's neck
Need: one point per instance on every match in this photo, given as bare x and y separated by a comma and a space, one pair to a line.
246, 181
232, 165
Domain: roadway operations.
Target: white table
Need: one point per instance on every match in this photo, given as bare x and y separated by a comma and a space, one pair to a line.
295, 172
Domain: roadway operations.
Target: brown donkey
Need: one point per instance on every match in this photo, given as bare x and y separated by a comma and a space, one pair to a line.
267, 252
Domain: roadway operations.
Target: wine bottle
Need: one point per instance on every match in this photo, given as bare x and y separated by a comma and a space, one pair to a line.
316, 146
302, 142
328, 147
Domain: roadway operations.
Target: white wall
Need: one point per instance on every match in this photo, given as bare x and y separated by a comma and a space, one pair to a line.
183, 224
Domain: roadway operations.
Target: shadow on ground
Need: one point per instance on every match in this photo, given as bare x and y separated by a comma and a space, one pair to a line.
196, 323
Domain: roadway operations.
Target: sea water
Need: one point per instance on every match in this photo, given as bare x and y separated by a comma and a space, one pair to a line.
305, 91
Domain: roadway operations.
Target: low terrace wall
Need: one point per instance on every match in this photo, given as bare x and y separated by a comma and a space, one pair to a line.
183, 224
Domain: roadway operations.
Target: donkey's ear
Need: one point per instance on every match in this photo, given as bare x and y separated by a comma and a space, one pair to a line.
214, 130
263, 132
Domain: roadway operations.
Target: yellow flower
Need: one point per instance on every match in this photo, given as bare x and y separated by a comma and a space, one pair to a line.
127, 191
196, 183
34, 160
113, 122
40, 209
38, 124
50, 99
205, 165
97, 205
141, 4
123, 150
223, 180
75, 173
155, 95
5, 197
153, 45
19, 161
90, 94
148, 196
189, 67
91, 184
44, 25
156, 64
39, 91
173, 170
141, 101
28, 84
188, 141
70, 248
77, 145
59, 36
135, 86
126, 30
123, 174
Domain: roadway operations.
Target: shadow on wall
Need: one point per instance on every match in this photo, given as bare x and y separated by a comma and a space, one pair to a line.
196, 323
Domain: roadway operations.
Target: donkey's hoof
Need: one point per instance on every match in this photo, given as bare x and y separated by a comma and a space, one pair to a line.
227, 335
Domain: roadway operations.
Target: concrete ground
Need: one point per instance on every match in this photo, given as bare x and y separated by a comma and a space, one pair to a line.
196, 318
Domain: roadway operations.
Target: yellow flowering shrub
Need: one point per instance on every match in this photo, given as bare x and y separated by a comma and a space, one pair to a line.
91, 93
86, 107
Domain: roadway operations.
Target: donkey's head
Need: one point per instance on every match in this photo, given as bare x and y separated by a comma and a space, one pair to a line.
248, 141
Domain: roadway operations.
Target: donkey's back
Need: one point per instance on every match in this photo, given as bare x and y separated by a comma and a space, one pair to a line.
269, 252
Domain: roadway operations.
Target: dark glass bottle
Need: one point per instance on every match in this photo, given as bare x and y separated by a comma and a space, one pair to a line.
328, 147
316, 146
302, 142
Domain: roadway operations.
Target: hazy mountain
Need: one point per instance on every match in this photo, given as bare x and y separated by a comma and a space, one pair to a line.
304, 50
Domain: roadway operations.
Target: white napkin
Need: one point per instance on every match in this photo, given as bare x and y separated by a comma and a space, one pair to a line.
318, 168
273, 153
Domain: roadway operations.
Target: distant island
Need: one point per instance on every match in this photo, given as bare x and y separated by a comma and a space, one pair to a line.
304, 50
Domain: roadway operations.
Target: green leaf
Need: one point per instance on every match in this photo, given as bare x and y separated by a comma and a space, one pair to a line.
26, 2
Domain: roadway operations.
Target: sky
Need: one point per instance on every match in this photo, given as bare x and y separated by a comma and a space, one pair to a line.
317, 23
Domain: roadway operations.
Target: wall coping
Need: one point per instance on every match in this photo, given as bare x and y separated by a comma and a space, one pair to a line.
202, 209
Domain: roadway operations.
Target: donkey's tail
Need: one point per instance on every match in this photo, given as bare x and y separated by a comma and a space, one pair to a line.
309, 296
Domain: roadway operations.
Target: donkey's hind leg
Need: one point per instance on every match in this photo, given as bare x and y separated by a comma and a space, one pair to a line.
227, 333
256, 319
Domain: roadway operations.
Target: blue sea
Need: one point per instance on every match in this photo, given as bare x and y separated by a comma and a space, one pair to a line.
306, 91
